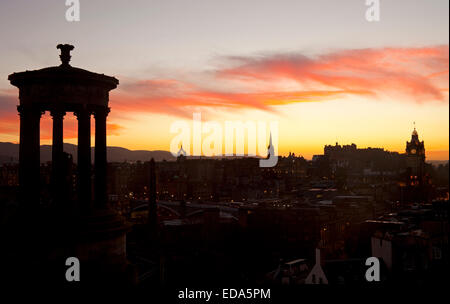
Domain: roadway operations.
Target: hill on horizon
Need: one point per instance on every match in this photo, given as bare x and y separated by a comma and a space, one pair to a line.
9, 152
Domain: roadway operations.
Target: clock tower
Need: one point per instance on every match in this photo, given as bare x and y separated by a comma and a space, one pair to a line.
415, 155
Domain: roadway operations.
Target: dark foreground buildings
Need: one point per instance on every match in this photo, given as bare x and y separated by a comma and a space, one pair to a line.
227, 220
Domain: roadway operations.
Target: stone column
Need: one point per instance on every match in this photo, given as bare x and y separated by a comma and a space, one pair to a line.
100, 157
29, 156
57, 154
84, 160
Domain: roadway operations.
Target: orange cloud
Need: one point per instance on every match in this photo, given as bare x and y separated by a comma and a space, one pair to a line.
259, 82
267, 81
415, 73
114, 129
9, 123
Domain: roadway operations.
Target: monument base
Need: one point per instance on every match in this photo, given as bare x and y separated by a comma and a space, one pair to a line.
101, 248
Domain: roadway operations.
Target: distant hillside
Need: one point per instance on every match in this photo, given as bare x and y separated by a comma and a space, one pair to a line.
9, 152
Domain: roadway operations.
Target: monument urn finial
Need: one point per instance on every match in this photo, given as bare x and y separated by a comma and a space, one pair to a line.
65, 53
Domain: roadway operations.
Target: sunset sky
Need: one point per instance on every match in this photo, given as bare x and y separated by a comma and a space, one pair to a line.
319, 68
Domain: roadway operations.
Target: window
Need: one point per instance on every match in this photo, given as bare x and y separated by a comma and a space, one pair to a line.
437, 253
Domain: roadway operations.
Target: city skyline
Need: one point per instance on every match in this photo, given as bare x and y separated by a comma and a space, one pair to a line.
182, 146
331, 78
296, 153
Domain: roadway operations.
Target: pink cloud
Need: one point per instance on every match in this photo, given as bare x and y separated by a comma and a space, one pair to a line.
415, 73
259, 82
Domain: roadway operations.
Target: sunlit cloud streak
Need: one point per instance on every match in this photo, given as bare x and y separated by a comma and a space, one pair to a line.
417, 74
268, 81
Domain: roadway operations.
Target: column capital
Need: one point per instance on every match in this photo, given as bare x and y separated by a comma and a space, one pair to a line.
29, 110
57, 113
103, 112
82, 113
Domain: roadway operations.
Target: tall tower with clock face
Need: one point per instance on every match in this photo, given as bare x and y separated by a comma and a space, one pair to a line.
415, 155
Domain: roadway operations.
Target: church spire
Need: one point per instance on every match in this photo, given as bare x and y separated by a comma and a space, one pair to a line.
270, 148
181, 152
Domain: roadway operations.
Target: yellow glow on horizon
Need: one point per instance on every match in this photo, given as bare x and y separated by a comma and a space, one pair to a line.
304, 128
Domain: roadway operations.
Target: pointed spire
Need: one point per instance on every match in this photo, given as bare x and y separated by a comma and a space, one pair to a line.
270, 149
181, 152
414, 133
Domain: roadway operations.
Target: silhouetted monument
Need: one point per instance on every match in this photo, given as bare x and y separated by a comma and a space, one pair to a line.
98, 239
